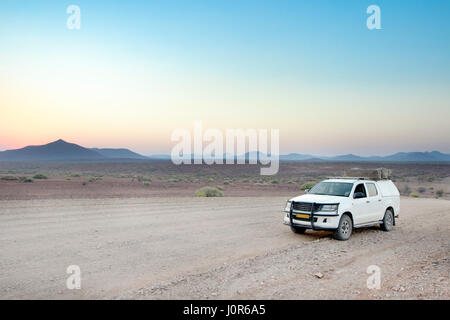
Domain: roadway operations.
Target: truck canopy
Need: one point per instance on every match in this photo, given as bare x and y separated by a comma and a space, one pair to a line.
388, 188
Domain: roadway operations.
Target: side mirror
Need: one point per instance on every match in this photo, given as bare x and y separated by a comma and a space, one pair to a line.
358, 195
307, 190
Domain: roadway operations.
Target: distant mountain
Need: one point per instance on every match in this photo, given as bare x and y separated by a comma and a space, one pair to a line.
345, 157
434, 156
118, 153
418, 156
296, 157
61, 150
160, 157
251, 156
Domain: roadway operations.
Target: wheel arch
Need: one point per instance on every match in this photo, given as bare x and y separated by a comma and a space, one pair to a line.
348, 213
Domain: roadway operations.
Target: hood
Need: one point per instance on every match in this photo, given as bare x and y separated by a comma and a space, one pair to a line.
318, 198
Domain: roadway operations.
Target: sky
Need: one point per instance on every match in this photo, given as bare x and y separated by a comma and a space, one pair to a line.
137, 70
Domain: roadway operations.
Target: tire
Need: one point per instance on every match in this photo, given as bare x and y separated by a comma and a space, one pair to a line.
388, 221
298, 230
345, 228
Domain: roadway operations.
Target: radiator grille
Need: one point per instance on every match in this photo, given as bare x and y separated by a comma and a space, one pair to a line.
302, 206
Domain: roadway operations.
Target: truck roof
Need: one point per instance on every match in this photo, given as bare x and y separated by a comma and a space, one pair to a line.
346, 180
351, 180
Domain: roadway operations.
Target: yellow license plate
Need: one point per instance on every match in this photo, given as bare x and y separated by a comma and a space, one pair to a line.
304, 216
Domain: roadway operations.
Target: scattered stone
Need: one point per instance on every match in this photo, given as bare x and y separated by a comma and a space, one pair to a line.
318, 275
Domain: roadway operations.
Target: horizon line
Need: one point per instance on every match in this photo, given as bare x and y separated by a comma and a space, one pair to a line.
312, 155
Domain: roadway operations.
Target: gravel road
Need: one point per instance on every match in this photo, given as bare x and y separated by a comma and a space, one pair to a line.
213, 248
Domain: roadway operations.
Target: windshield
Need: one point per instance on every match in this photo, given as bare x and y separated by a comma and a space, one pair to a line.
341, 189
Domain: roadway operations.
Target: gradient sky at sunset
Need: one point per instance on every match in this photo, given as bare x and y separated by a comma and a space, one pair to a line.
139, 69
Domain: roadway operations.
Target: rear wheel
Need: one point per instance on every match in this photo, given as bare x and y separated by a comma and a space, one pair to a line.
298, 230
344, 230
388, 220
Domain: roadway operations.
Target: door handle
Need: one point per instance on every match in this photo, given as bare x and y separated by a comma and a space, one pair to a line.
379, 200
367, 201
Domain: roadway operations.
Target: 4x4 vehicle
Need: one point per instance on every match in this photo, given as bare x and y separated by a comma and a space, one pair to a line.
341, 204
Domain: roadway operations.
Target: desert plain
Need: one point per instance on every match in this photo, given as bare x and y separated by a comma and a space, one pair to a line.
137, 231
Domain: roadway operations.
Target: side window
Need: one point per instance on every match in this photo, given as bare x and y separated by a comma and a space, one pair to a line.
362, 189
372, 189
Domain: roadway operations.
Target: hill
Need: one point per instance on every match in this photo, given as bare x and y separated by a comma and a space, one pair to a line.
61, 150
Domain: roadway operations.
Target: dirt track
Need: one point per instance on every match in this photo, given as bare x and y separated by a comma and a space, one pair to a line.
213, 248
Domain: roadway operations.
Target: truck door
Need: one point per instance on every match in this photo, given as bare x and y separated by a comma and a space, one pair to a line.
375, 205
359, 207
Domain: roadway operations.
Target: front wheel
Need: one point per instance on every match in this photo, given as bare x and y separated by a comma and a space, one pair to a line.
344, 230
298, 230
388, 221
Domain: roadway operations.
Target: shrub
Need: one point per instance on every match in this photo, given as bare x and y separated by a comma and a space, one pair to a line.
10, 178
26, 180
413, 195
219, 188
210, 179
208, 192
275, 182
307, 185
76, 175
439, 193
146, 183
84, 183
421, 189
95, 178
143, 179
39, 176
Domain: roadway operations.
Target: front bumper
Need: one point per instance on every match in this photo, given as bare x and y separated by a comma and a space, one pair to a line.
312, 220
330, 224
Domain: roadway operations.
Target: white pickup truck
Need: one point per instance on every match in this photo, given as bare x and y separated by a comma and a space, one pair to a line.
341, 204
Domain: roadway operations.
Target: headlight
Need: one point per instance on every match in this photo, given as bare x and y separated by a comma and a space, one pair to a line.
288, 206
328, 207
